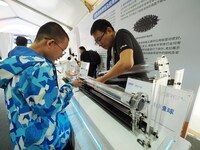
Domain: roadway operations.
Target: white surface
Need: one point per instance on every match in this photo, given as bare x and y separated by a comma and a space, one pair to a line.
84, 68
109, 132
195, 119
119, 137
35, 13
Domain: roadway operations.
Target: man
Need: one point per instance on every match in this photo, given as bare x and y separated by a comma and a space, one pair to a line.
20, 41
123, 50
93, 58
36, 104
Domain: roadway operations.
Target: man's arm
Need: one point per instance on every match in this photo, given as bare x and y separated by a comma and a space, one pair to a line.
124, 64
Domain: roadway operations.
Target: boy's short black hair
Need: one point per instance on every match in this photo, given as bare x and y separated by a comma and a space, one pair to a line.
51, 30
82, 48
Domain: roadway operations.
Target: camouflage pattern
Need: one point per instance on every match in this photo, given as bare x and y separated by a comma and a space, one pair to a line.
36, 105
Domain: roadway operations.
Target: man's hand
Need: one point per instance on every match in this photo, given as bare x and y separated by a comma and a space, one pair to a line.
101, 79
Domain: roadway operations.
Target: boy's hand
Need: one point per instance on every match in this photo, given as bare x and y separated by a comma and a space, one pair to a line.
77, 83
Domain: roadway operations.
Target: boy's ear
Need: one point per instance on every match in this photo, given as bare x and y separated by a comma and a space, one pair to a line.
50, 42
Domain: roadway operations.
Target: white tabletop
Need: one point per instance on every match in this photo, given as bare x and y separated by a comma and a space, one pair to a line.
104, 131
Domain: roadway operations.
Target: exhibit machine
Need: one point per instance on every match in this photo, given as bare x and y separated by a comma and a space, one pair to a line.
145, 115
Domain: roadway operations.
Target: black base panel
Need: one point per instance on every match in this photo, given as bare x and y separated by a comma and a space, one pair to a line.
109, 105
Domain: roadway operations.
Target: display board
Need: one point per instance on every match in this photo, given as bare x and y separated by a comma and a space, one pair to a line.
168, 27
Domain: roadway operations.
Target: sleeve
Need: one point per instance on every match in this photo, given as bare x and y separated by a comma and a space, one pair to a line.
123, 41
39, 88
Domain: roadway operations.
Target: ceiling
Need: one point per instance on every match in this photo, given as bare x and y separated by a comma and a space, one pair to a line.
26, 16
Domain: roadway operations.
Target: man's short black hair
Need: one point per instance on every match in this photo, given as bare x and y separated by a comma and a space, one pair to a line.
101, 25
21, 41
82, 48
51, 30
